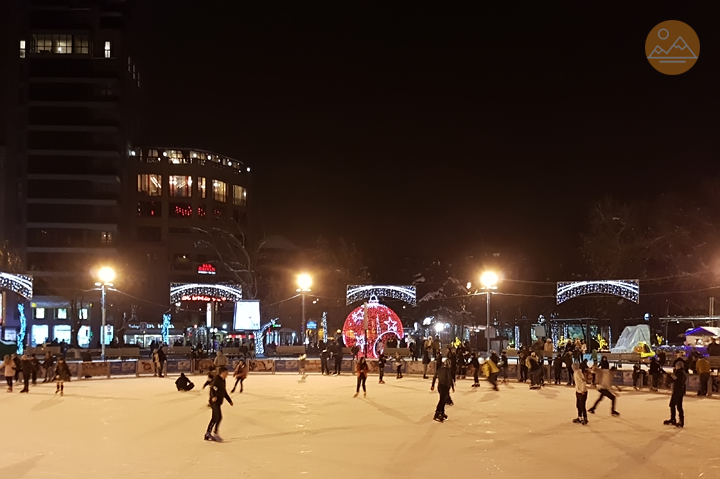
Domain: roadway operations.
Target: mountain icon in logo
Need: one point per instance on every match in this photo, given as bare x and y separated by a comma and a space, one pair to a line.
678, 51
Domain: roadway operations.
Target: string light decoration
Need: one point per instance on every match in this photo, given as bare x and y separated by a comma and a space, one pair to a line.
383, 324
260, 337
23, 329
356, 293
17, 283
324, 327
184, 211
624, 288
205, 292
165, 329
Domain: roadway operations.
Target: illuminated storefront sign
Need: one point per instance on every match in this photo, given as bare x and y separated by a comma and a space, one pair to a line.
206, 268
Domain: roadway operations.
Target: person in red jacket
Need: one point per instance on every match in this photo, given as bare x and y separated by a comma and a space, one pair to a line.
362, 372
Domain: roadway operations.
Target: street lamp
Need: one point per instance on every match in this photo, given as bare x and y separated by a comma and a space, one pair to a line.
106, 275
489, 281
304, 281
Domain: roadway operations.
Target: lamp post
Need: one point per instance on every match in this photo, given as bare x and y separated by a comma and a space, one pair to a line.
106, 275
489, 281
304, 281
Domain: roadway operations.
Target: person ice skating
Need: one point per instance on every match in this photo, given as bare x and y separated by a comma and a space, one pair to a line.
324, 359
398, 363
183, 383
218, 394
240, 374
475, 363
638, 376
362, 372
522, 362
211, 376
220, 359
49, 366
557, 367
301, 366
161, 359
504, 366
35, 368
679, 376
655, 373
62, 375
426, 359
338, 357
26, 367
580, 395
606, 377
491, 372
703, 369
568, 360
382, 360
533, 365
9, 367
446, 382
18, 366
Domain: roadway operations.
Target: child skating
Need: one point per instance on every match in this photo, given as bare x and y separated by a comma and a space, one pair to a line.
218, 394
362, 372
580, 395
62, 374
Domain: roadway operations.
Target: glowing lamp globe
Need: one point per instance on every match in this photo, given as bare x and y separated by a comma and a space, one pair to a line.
489, 279
304, 281
383, 324
106, 274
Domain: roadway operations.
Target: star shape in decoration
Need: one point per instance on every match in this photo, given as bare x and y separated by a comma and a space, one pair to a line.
391, 325
360, 341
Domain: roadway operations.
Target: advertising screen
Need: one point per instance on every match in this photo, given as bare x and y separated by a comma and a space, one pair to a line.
247, 315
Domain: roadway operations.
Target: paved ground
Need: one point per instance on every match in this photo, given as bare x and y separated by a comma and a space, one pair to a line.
281, 427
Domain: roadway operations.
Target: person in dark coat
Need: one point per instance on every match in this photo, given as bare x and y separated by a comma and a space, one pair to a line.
183, 383
218, 394
49, 366
522, 358
446, 381
18, 366
26, 366
35, 368
161, 359
568, 360
62, 375
425, 361
382, 359
338, 357
475, 363
324, 361
679, 377
557, 367
655, 373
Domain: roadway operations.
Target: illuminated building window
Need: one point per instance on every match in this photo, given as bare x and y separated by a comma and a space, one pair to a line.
22, 48
108, 49
150, 185
149, 209
62, 44
106, 237
181, 210
83, 313
61, 313
39, 313
81, 45
239, 195
180, 186
175, 157
42, 44
195, 154
219, 191
201, 187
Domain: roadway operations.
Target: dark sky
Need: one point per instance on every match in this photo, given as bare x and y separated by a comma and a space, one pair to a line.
434, 128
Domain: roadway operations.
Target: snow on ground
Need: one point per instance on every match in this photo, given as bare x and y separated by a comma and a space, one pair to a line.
281, 427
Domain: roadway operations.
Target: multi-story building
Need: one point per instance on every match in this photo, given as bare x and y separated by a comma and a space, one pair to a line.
69, 120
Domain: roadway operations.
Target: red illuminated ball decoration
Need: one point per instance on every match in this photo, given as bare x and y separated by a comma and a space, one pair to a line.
383, 324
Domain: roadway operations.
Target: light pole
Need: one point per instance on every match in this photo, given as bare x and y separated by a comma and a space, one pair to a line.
106, 275
489, 281
304, 281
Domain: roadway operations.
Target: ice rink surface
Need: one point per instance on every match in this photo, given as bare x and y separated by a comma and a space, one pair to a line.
282, 427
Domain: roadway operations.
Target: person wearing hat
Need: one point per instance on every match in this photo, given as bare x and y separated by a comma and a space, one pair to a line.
218, 394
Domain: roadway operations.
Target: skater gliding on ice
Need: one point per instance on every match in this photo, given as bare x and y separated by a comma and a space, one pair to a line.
446, 381
241, 371
218, 394
62, 375
580, 395
362, 372
679, 377
606, 377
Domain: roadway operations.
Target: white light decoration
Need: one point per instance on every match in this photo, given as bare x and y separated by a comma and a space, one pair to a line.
360, 292
624, 288
17, 283
324, 326
165, 330
23, 329
205, 292
260, 337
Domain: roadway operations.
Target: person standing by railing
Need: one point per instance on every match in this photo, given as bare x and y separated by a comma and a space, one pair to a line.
49, 366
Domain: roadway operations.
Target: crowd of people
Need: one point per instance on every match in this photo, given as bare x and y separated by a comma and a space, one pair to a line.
27, 368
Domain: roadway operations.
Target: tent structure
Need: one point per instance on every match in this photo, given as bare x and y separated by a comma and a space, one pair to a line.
701, 336
631, 337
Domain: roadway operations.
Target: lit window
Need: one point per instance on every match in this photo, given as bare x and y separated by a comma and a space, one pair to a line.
219, 191
239, 195
150, 185
42, 44
62, 44
22, 48
201, 187
106, 237
176, 157
181, 186
62, 313
83, 313
39, 313
81, 46
108, 50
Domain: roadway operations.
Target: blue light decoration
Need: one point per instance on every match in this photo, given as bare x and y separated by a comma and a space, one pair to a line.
23, 329
357, 293
165, 330
625, 288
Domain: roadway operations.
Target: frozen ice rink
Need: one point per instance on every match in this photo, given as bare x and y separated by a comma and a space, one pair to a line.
280, 427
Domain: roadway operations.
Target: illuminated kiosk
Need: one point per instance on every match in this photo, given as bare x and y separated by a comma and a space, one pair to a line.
205, 293
371, 325
14, 330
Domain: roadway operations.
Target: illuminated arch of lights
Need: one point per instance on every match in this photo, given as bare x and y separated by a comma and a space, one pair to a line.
357, 293
17, 283
205, 292
624, 288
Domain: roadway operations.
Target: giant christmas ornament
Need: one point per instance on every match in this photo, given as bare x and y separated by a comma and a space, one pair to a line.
383, 324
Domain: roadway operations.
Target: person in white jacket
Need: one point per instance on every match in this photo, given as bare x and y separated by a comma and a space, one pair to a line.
606, 377
581, 395
220, 359
9, 366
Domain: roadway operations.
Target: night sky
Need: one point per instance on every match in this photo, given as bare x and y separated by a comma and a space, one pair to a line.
424, 130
